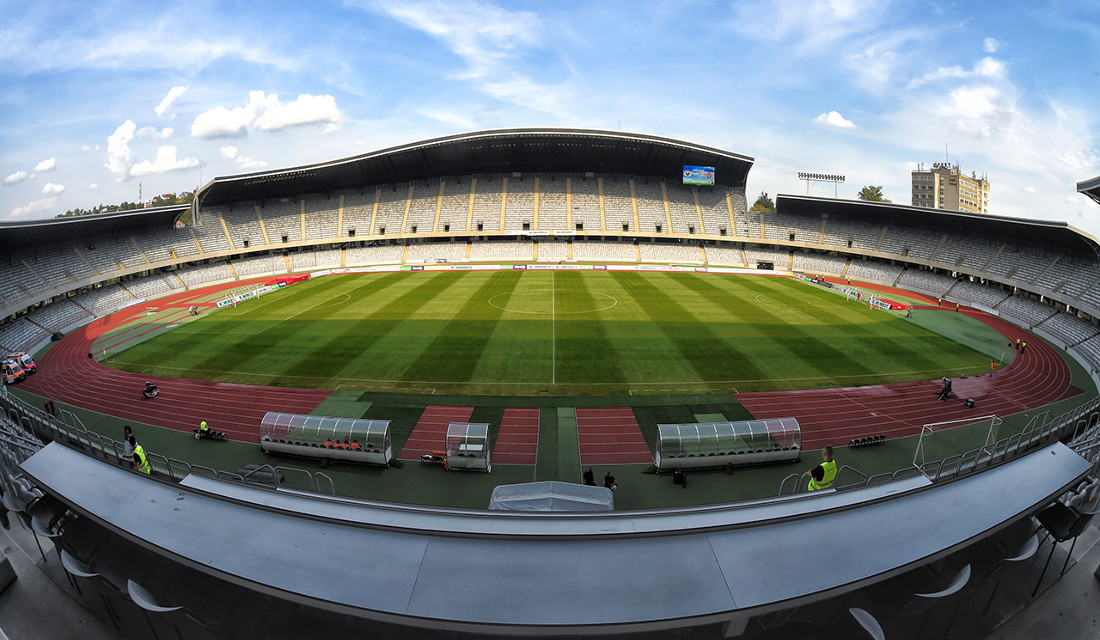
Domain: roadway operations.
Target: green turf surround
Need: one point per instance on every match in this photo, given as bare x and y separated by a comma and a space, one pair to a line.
530, 333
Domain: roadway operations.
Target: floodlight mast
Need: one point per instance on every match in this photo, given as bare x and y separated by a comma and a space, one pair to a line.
822, 177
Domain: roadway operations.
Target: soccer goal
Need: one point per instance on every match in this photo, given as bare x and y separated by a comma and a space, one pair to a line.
943, 440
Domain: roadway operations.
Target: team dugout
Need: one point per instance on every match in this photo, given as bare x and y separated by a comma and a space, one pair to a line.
712, 444
324, 437
468, 446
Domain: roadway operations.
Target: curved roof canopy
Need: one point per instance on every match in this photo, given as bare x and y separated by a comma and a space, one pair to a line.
1090, 188
1002, 228
497, 151
51, 231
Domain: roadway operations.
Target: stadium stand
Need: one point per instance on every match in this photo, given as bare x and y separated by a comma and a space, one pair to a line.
435, 251
423, 202
733, 256
380, 254
873, 271
586, 205
519, 209
553, 249
977, 295
1025, 311
487, 203
148, 288
651, 209
502, 250
934, 284
205, 274
618, 203
670, 253
455, 208
681, 209
604, 251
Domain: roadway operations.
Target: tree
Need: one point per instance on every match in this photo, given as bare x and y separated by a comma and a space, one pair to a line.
872, 194
763, 203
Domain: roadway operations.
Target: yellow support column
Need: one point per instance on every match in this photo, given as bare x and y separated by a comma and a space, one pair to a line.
340, 219
225, 230
503, 202
668, 215
470, 208
302, 211
698, 210
634, 204
568, 204
286, 261
603, 218
536, 246
374, 213
535, 221
408, 205
405, 254
439, 206
569, 250
733, 222
196, 239
703, 251
469, 248
263, 227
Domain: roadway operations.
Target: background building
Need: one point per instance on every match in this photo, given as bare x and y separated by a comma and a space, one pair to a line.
945, 187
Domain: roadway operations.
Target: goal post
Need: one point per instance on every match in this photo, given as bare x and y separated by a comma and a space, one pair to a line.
939, 440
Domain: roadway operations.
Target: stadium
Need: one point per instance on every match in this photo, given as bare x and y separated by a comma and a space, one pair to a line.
535, 303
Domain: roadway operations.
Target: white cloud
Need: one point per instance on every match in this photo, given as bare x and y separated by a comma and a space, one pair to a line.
1029, 189
834, 119
52, 189
243, 162
306, 109
151, 132
990, 45
987, 67
166, 161
90, 148
119, 156
17, 177
169, 100
92, 185
265, 113
48, 164
482, 34
36, 206
974, 102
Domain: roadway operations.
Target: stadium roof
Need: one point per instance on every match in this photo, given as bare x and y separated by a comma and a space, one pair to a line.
51, 231
1003, 228
1090, 188
481, 152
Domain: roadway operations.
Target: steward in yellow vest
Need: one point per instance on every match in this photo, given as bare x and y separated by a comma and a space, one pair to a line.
141, 461
821, 476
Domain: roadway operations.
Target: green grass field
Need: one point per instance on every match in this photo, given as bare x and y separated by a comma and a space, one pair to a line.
544, 332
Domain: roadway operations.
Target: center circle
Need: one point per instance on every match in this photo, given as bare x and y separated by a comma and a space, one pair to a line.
552, 301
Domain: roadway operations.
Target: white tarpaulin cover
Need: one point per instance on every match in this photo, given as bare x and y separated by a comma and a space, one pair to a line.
551, 496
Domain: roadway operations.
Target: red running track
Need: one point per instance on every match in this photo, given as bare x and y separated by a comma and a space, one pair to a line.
67, 374
835, 416
518, 438
430, 432
611, 435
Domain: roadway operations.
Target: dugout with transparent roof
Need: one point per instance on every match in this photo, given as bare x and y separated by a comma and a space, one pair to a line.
468, 446
713, 444
324, 437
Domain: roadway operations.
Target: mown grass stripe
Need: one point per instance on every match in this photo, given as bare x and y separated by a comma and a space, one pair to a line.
584, 351
455, 351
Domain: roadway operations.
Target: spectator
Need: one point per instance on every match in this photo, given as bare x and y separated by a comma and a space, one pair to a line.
609, 481
589, 477
141, 461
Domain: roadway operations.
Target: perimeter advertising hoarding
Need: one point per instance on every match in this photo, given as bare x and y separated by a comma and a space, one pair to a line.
699, 175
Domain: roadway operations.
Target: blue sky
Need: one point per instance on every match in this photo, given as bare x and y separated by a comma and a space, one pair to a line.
99, 97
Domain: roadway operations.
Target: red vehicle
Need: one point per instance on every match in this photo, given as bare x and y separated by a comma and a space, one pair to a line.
12, 371
24, 359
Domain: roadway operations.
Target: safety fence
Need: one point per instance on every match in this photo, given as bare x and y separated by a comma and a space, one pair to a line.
24, 429
1080, 425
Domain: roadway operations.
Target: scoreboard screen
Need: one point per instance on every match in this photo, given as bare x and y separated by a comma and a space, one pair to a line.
699, 175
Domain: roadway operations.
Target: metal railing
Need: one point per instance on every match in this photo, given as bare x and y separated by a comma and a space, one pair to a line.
67, 428
1081, 424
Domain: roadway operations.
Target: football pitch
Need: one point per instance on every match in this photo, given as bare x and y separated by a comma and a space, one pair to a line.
552, 332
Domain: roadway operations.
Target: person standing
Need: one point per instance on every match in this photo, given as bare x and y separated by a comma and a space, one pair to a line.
821, 476
141, 460
589, 477
992, 368
1023, 347
1017, 344
609, 481
127, 436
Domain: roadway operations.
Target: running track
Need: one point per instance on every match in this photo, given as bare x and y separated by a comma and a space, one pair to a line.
828, 416
834, 416
67, 374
